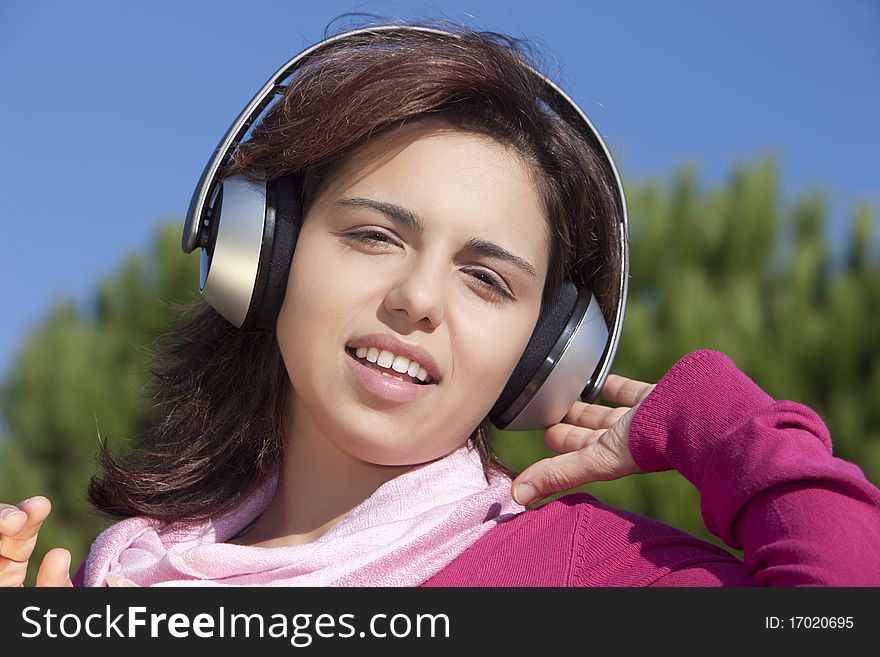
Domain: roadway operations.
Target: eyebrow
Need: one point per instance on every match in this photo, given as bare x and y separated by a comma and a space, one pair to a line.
411, 220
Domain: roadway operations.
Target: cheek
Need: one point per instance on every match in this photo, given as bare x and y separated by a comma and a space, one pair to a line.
492, 354
307, 316
318, 284
311, 276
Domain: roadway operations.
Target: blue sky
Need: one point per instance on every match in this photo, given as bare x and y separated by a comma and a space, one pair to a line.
111, 109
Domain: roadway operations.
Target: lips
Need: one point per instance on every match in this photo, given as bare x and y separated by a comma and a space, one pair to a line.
400, 376
389, 342
381, 384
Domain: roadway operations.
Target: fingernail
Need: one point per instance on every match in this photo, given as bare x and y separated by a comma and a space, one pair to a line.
8, 513
525, 493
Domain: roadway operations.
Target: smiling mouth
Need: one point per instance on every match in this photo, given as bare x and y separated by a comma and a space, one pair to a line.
386, 372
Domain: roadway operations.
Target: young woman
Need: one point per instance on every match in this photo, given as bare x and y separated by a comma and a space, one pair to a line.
443, 204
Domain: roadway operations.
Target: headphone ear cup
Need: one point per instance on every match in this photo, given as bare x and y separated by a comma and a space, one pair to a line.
551, 323
283, 202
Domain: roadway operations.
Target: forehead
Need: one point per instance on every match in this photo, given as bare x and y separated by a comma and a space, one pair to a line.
461, 184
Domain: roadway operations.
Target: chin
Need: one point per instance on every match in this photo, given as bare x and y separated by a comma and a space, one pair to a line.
394, 448
393, 455
383, 437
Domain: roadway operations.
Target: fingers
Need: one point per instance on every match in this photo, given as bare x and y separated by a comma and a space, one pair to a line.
603, 457
19, 526
12, 520
55, 569
621, 390
12, 573
19, 535
618, 389
593, 416
592, 440
566, 438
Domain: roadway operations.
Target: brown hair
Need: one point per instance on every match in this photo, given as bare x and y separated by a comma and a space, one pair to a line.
222, 390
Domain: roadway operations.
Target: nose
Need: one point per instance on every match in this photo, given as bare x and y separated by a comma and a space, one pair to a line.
417, 295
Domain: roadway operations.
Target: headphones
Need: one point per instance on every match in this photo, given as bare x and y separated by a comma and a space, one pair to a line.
247, 230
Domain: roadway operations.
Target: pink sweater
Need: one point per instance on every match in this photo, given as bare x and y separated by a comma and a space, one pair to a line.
768, 485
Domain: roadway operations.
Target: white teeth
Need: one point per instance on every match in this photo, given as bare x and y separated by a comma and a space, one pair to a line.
388, 360
385, 359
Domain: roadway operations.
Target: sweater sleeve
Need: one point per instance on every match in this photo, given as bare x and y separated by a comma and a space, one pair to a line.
767, 479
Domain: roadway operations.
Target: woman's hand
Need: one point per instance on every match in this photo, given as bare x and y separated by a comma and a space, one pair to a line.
19, 527
593, 442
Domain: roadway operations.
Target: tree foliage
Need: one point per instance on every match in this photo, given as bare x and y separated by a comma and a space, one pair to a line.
735, 269
81, 377
731, 268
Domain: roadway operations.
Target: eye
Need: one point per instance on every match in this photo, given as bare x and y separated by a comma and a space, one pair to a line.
491, 284
370, 237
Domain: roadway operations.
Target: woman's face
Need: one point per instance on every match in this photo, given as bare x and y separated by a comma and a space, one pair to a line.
426, 236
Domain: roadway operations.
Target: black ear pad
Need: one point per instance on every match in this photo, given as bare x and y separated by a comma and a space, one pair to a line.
283, 221
551, 323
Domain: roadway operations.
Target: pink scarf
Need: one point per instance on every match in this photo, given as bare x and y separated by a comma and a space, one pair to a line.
402, 535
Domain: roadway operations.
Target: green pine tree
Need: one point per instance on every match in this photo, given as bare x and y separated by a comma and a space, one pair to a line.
731, 268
